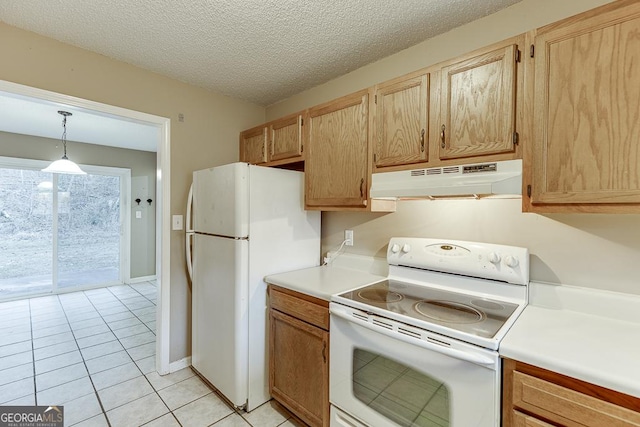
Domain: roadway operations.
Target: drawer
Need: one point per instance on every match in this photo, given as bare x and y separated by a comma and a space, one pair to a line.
304, 307
567, 407
522, 420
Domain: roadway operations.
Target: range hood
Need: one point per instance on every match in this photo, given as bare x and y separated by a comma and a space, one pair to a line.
503, 178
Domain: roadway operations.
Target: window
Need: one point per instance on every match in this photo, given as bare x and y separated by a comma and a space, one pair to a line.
72, 238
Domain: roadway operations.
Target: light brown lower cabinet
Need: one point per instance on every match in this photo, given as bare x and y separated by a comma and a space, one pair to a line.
299, 354
535, 397
522, 420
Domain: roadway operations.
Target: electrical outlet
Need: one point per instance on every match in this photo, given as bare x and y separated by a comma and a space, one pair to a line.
348, 236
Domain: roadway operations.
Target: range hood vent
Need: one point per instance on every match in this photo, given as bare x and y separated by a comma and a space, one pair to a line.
477, 180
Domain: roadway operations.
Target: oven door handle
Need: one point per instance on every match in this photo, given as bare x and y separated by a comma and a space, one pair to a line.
458, 354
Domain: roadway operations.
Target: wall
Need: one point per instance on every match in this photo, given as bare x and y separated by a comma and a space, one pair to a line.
141, 163
207, 137
590, 250
597, 251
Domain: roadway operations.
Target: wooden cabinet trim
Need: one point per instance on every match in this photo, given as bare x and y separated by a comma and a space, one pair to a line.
523, 420
536, 392
304, 307
567, 406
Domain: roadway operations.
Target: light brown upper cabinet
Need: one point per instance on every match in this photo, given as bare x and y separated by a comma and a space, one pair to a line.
336, 167
400, 122
586, 152
275, 143
253, 145
286, 138
478, 102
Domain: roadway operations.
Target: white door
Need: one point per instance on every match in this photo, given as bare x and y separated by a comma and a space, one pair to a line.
221, 200
220, 314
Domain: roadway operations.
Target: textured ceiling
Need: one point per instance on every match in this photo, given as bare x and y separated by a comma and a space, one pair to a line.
261, 51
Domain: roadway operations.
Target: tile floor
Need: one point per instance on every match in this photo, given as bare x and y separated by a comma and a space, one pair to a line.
94, 353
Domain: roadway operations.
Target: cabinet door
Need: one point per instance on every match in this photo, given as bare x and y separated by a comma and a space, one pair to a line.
478, 104
286, 138
587, 108
400, 122
253, 145
336, 161
522, 420
299, 368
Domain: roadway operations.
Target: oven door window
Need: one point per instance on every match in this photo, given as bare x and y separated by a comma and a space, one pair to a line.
398, 392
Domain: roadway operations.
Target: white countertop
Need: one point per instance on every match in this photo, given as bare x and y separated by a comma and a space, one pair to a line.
324, 281
583, 333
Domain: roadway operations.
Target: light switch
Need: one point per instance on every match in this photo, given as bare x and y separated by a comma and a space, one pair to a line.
177, 222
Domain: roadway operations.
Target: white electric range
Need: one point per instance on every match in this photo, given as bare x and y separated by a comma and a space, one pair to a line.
420, 347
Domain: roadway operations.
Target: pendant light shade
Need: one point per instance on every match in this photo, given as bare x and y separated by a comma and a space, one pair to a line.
64, 165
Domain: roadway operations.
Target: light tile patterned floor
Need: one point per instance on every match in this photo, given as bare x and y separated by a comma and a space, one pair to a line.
94, 353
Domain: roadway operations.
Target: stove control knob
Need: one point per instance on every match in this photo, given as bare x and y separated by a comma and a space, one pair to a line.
494, 258
511, 261
395, 248
406, 248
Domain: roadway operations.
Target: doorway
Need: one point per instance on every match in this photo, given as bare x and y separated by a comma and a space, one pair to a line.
163, 192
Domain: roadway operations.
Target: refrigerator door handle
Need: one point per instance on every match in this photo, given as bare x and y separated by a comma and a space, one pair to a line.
189, 238
189, 234
188, 219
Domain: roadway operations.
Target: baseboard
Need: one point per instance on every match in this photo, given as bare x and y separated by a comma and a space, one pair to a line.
180, 364
142, 279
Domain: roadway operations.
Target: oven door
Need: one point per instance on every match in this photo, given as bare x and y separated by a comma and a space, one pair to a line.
384, 375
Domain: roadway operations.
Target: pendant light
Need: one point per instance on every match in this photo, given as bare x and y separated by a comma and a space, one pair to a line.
64, 165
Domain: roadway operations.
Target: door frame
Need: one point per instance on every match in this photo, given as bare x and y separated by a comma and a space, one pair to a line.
163, 198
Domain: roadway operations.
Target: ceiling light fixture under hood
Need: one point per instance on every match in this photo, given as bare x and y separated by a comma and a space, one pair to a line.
503, 179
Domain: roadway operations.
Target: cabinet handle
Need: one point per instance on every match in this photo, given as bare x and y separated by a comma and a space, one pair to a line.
324, 351
422, 141
362, 187
273, 137
442, 137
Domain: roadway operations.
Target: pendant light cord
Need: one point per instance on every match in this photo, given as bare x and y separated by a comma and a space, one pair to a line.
64, 136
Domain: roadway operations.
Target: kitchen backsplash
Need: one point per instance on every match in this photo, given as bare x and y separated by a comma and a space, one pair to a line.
588, 250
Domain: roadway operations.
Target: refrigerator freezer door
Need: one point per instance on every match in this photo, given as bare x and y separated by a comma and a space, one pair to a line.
220, 314
221, 200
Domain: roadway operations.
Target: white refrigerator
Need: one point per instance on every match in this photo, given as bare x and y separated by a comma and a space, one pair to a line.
248, 221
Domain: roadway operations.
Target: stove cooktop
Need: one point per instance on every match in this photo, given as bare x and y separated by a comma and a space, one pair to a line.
469, 314
467, 291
